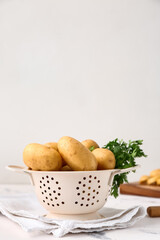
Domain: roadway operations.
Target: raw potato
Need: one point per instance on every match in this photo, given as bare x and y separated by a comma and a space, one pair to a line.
66, 168
41, 158
155, 172
143, 179
55, 146
88, 143
158, 181
105, 158
152, 180
76, 155
52, 145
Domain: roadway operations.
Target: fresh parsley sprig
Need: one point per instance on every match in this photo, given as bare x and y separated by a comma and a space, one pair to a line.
125, 154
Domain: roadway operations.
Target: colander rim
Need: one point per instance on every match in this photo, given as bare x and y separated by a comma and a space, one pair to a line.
75, 172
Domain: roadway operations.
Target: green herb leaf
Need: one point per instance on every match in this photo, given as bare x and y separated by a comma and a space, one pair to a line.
91, 148
125, 154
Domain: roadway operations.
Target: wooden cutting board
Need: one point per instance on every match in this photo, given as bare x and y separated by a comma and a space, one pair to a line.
138, 189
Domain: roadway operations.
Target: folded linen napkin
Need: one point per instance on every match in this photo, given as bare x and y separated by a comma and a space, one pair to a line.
25, 210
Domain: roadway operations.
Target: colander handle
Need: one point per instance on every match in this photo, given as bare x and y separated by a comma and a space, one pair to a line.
20, 169
119, 171
15, 168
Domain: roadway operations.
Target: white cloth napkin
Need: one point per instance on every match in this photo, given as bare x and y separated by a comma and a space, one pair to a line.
25, 210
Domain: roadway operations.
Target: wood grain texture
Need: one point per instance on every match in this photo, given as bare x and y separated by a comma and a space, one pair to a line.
141, 190
153, 211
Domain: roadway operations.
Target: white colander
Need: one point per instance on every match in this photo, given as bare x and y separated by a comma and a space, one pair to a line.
72, 194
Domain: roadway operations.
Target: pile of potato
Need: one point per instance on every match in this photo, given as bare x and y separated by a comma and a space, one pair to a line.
68, 154
152, 179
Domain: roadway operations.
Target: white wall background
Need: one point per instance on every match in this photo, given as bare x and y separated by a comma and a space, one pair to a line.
83, 68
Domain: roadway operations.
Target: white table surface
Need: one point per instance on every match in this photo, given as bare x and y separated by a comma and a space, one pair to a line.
147, 228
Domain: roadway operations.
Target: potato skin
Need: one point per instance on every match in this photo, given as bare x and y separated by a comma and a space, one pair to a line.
76, 155
52, 145
144, 179
88, 143
66, 168
158, 181
153, 180
41, 158
155, 172
105, 158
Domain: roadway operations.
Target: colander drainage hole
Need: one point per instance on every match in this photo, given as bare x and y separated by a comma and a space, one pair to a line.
95, 177
79, 182
59, 194
62, 202
87, 205
46, 176
42, 192
46, 197
78, 194
40, 181
81, 204
57, 204
56, 198
94, 190
47, 181
43, 200
45, 191
98, 181
99, 186
44, 185
90, 176
83, 191
52, 205
50, 194
49, 188
84, 185
88, 199
82, 198
54, 191
97, 192
59, 188
76, 202
57, 182
97, 200
77, 188
84, 178
48, 204
51, 199
52, 178
92, 203
89, 187
90, 181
